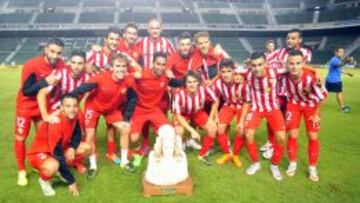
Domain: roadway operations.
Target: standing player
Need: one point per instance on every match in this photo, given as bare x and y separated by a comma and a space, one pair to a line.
128, 45
263, 87
304, 97
178, 62
236, 97
57, 145
189, 105
99, 59
151, 85
278, 61
35, 75
334, 80
153, 43
108, 92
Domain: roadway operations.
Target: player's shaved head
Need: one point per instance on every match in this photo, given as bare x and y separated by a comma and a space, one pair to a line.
154, 28
294, 39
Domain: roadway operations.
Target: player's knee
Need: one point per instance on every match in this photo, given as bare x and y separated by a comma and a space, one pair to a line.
50, 167
280, 137
212, 131
134, 137
84, 149
313, 136
249, 135
221, 129
19, 138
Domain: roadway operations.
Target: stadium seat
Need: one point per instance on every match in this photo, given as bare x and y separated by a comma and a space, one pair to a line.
213, 4
253, 18
182, 18
15, 18
339, 14
55, 18
218, 18
97, 17
295, 18
126, 17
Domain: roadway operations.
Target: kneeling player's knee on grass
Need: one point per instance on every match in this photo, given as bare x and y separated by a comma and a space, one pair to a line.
249, 137
50, 167
294, 133
83, 149
211, 131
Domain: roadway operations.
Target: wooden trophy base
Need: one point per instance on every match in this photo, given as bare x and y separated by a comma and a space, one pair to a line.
184, 188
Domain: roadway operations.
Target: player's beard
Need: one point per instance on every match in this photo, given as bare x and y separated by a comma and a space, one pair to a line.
51, 61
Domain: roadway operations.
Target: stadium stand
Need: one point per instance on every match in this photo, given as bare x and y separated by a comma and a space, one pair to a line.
253, 18
293, 18
213, 4
97, 17
219, 18
187, 18
285, 3
60, 4
13, 18
339, 14
137, 3
22, 3
125, 17
55, 18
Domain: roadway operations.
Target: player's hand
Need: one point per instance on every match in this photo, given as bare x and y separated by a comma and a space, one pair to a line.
218, 50
195, 135
210, 124
73, 189
315, 120
207, 82
319, 80
70, 154
169, 73
241, 127
137, 74
52, 118
51, 79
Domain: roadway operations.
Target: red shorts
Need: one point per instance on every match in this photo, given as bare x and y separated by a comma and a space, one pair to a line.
23, 122
294, 113
92, 117
199, 118
165, 102
274, 118
227, 113
156, 117
36, 160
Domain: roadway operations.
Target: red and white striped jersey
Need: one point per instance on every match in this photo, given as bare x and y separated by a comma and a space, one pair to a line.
305, 91
284, 52
67, 83
273, 59
264, 90
99, 59
233, 94
149, 46
186, 103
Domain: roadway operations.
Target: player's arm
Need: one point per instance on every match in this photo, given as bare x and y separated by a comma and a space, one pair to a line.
176, 82
183, 122
83, 88
214, 109
318, 77
130, 104
42, 103
31, 87
244, 111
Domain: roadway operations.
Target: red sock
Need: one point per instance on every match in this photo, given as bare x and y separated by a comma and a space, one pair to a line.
292, 148
206, 145
271, 134
223, 140
253, 153
78, 159
313, 151
44, 177
145, 134
238, 143
111, 147
20, 151
278, 153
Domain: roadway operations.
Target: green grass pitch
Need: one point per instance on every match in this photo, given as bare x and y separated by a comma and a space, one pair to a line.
338, 164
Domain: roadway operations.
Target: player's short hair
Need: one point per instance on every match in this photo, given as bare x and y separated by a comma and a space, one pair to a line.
201, 34
295, 53
68, 96
338, 47
297, 31
194, 74
112, 30
185, 35
56, 41
78, 52
154, 19
131, 25
118, 56
256, 55
159, 54
227, 63
270, 41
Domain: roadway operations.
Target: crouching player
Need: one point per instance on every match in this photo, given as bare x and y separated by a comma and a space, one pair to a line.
234, 91
304, 97
189, 106
57, 145
263, 82
108, 91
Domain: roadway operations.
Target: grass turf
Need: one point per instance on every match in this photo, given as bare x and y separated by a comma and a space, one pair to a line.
338, 165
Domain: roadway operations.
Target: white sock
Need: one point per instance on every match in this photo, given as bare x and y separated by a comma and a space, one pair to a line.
92, 161
124, 159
